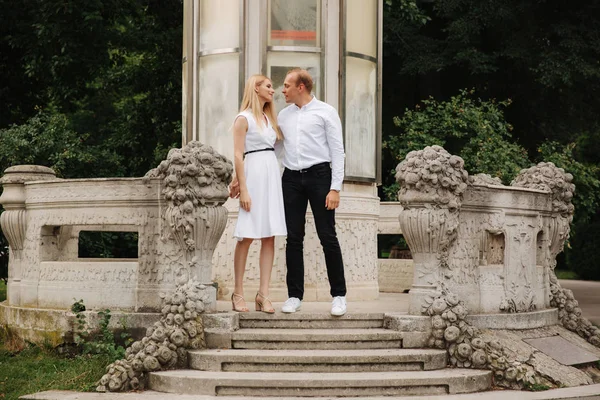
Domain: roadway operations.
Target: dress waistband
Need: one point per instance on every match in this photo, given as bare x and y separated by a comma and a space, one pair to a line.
256, 151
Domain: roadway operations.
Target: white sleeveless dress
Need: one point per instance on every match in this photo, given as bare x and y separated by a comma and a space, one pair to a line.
266, 217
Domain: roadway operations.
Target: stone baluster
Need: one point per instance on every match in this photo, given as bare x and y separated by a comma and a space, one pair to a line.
13, 220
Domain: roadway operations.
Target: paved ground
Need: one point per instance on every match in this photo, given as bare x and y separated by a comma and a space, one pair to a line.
590, 392
587, 294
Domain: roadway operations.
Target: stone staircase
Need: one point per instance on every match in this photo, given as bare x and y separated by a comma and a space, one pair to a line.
315, 355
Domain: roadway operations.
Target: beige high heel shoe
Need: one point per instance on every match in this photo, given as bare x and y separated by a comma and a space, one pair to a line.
236, 300
259, 305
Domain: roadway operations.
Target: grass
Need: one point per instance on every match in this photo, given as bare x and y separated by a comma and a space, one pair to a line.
565, 274
35, 369
26, 368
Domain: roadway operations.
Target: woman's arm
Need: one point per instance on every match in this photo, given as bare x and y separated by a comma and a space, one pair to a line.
240, 127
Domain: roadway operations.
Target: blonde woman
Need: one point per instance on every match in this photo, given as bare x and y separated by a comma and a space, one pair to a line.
261, 215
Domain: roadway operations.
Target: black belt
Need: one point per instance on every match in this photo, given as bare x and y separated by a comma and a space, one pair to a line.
256, 151
311, 168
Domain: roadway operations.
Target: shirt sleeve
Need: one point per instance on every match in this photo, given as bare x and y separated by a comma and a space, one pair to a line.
335, 141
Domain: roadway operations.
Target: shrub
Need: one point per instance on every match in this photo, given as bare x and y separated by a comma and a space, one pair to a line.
469, 127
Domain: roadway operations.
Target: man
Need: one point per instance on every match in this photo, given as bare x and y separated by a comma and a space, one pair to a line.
314, 171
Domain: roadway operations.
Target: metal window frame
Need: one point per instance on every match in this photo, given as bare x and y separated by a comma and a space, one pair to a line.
187, 72
344, 54
195, 65
321, 10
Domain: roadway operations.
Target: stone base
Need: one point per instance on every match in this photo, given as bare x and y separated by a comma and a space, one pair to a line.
312, 292
54, 327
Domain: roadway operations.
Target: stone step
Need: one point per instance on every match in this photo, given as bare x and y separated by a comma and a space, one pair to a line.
318, 360
335, 339
279, 384
310, 320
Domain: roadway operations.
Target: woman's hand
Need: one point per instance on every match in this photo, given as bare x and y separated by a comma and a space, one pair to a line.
234, 189
245, 200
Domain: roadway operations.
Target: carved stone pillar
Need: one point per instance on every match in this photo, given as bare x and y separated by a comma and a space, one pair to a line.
195, 183
428, 232
13, 220
431, 185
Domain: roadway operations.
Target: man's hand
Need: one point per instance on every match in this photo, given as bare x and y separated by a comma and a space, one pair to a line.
234, 189
332, 201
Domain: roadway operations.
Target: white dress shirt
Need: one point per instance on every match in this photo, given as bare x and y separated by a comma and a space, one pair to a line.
313, 135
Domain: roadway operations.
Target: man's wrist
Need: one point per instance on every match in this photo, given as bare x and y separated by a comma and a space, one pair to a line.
334, 190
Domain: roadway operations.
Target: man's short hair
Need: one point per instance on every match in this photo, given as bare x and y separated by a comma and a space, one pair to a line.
303, 77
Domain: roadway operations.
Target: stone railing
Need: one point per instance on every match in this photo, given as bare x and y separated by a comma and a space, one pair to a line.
494, 245
176, 211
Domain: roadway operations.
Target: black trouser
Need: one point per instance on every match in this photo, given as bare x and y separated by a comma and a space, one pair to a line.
300, 187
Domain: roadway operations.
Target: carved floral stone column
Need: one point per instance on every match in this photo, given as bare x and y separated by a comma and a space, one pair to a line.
195, 187
546, 176
556, 227
432, 182
14, 218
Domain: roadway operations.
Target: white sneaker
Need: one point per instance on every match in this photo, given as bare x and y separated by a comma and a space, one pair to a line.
291, 305
338, 306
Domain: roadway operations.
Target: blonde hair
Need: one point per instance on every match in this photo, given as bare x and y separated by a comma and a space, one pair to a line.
251, 102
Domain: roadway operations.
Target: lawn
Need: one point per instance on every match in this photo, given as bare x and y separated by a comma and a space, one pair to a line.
35, 369
565, 274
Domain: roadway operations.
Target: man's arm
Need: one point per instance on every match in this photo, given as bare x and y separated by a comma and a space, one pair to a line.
335, 141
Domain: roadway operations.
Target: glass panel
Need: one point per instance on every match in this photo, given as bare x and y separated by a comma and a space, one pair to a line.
219, 101
294, 23
279, 63
219, 24
360, 138
361, 27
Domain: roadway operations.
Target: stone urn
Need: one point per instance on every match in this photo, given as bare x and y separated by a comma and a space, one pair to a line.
431, 185
195, 183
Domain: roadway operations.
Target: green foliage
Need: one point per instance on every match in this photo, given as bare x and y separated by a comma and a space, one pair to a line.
407, 11
3, 263
2, 291
565, 274
535, 387
48, 139
586, 177
106, 74
583, 257
466, 126
93, 244
104, 342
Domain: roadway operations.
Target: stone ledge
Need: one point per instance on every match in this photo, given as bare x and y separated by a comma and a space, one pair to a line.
55, 326
588, 392
525, 320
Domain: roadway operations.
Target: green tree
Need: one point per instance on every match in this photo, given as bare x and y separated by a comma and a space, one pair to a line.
91, 89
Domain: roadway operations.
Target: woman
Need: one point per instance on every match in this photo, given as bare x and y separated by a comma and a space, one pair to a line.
261, 214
